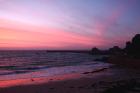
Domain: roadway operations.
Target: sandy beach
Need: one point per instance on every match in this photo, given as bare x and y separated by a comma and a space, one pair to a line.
69, 46
111, 80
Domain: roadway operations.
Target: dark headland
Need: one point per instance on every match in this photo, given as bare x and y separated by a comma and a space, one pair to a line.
127, 57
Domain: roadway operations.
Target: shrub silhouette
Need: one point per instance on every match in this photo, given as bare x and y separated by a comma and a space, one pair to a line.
95, 51
114, 50
133, 48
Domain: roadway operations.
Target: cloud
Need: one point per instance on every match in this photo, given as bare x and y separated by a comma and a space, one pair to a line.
18, 34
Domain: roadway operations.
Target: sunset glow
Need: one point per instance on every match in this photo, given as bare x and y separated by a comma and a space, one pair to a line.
67, 24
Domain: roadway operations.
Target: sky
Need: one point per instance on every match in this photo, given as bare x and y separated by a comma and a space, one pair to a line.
67, 24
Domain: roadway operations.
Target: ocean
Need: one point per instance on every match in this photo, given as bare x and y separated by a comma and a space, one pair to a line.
31, 64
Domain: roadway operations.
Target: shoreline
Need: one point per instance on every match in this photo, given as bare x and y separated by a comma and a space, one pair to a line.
73, 83
46, 79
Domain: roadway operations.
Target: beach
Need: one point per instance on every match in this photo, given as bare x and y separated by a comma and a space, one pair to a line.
43, 72
69, 46
106, 80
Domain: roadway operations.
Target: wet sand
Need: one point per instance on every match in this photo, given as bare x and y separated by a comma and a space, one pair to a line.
112, 80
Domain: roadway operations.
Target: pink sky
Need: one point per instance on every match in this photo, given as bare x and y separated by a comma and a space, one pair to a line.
57, 24
19, 35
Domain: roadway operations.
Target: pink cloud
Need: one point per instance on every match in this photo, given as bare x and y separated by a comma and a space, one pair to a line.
20, 35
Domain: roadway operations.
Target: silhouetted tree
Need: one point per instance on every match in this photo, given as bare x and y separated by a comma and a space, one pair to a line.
128, 48
136, 39
115, 50
95, 51
136, 45
133, 48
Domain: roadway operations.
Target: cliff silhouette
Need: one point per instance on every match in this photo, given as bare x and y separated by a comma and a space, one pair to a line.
132, 48
128, 56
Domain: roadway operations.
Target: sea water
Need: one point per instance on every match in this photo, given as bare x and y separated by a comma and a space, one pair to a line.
30, 64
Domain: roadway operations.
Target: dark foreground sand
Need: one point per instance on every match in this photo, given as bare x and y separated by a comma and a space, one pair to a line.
112, 80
